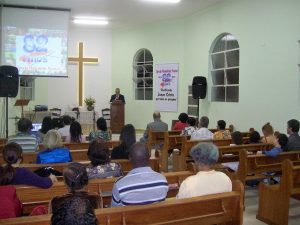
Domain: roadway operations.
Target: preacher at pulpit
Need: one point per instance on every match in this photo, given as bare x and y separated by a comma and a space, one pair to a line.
117, 96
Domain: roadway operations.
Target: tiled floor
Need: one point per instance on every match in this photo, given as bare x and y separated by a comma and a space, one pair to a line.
251, 203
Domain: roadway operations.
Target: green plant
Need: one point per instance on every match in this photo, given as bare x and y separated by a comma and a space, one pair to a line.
89, 101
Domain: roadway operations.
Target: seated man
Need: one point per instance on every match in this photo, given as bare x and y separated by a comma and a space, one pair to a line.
202, 133
24, 138
294, 138
207, 180
156, 125
141, 185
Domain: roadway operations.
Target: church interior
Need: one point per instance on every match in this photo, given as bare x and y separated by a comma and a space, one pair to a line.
153, 53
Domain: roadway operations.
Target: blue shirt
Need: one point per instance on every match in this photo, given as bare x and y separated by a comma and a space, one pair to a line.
56, 155
140, 186
273, 152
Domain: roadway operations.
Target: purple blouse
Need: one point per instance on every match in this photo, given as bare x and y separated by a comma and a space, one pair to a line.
27, 177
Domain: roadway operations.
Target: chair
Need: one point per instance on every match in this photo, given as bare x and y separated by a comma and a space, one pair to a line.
55, 112
106, 116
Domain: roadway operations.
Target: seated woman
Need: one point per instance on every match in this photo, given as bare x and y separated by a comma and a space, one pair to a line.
280, 145
254, 138
55, 152
181, 124
207, 180
46, 126
100, 166
222, 133
268, 133
76, 179
75, 133
102, 132
11, 173
237, 138
191, 126
127, 138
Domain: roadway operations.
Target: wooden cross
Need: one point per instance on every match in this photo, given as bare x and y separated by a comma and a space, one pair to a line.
81, 60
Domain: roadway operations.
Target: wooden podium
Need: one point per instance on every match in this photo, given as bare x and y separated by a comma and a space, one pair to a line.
117, 116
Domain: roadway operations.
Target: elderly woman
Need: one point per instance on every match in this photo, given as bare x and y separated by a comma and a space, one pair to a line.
55, 152
76, 179
100, 166
207, 180
222, 133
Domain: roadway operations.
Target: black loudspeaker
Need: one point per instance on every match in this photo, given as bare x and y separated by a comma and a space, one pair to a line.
199, 87
9, 81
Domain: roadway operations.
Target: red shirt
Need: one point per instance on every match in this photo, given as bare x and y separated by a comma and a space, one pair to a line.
10, 206
179, 126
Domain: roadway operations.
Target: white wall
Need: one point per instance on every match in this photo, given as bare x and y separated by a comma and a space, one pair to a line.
63, 92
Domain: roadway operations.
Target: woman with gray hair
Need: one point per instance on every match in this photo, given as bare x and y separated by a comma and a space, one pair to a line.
55, 152
207, 180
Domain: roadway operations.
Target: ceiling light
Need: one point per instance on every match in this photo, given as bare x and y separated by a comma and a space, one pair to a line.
90, 21
162, 1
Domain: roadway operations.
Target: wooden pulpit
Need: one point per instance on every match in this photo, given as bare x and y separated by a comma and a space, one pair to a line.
117, 116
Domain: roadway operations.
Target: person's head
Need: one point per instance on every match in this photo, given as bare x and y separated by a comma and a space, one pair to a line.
276, 133
75, 132
191, 121
74, 211
183, 117
156, 115
204, 121
75, 176
24, 125
127, 136
139, 155
52, 139
221, 125
293, 126
98, 153
12, 154
267, 129
254, 137
67, 120
117, 91
46, 124
205, 155
251, 129
101, 124
237, 138
282, 140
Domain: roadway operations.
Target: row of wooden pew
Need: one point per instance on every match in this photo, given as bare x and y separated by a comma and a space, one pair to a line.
225, 208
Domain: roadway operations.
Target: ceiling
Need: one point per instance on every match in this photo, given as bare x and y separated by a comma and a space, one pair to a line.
122, 13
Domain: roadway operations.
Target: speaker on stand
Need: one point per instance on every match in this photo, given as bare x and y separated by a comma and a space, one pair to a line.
199, 89
9, 86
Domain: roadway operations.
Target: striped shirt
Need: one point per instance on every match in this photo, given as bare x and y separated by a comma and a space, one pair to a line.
140, 186
28, 142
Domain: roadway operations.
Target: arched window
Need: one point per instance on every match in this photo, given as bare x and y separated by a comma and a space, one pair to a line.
224, 58
143, 75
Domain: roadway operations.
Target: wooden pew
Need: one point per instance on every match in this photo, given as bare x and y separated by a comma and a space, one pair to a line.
33, 196
125, 164
78, 154
274, 200
156, 138
224, 208
252, 167
84, 145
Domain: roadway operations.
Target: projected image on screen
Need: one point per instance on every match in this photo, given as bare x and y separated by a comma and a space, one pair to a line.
39, 52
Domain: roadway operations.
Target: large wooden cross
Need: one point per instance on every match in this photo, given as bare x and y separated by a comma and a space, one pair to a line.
81, 60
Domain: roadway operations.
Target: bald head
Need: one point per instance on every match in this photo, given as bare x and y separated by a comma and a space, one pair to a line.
117, 91
139, 155
156, 115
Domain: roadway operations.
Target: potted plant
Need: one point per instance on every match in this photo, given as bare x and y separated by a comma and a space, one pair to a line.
90, 103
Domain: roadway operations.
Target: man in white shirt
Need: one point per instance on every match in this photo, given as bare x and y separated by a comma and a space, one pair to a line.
202, 133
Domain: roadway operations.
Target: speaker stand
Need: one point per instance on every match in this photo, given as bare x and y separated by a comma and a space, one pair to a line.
6, 115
